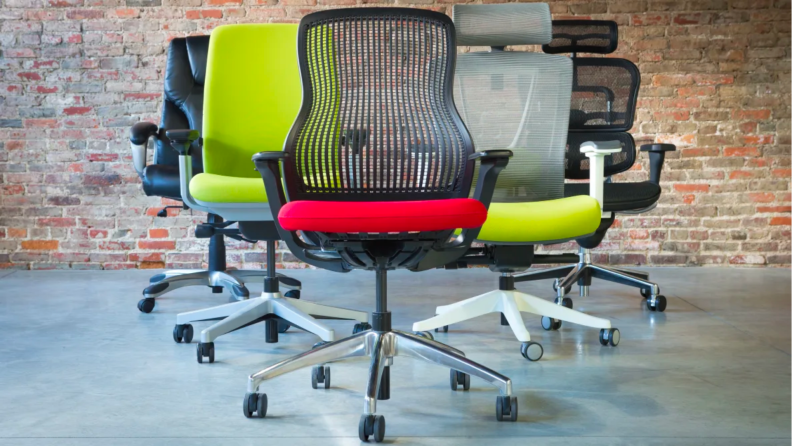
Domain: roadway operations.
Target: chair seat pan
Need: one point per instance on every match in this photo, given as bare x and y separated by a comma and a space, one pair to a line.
541, 221
620, 196
160, 180
382, 216
213, 188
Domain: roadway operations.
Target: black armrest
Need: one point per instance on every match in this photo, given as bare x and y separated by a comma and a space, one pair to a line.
141, 132
182, 139
492, 155
656, 159
268, 165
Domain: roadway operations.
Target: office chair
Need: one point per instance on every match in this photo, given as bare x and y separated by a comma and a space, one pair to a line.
252, 95
520, 101
183, 108
378, 167
604, 94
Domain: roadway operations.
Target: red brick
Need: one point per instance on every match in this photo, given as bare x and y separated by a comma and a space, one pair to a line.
691, 187
762, 197
775, 221
773, 209
759, 115
39, 245
741, 151
156, 244
158, 233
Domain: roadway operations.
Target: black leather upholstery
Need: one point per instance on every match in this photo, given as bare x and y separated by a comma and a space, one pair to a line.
620, 196
182, 109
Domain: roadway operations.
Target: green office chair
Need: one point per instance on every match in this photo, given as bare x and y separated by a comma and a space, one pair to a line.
520, 101
252, 95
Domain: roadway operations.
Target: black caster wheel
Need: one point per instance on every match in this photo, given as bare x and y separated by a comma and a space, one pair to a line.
183, 333
371, 426
659, 304
320, 375
645, 293
361, 327
506, 408
319, 344
146, 305
294, 294
205, 350
610, 336
443, 329
255, 405
549, 323
283, 326
566, 290
532, 351
459, 379
565, 302
424, 334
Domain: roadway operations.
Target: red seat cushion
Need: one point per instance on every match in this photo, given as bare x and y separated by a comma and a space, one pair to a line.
382, 216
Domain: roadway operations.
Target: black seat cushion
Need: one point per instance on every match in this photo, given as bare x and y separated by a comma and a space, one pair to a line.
620, 196
161, 181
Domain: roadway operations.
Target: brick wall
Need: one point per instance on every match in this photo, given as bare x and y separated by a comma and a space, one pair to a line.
77, 73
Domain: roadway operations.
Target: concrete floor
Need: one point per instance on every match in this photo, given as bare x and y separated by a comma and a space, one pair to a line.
81, 366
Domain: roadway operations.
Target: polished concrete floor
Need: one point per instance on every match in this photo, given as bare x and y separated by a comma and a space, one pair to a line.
79, 365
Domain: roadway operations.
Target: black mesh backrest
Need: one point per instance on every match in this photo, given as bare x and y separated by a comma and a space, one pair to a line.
583, 36
378, 121
577, 164
183, 105
604, 92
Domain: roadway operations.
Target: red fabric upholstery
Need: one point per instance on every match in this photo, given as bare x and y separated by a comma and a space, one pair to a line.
382, 216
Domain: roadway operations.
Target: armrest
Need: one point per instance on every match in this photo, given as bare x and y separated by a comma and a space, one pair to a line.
139, 135
596, 152
268, 165
492, 163
656, 159
182, 139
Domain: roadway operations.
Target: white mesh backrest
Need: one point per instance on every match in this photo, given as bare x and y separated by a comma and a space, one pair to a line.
518, 101
503, 24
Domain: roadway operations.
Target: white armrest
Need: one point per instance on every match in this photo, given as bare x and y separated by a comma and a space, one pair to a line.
139, 157
596, 151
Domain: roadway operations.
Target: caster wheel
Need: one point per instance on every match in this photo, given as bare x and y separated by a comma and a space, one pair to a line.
555, 287
146, 305
564, 302
319, 344
506, 408
255, 405
371, 425
645, 293
205, 350
424, 334
294, 294
532, 351
549, 323
361, 327
659, 303
283, 326
320, 375
459, 379
610, 336
183, 333
443, 329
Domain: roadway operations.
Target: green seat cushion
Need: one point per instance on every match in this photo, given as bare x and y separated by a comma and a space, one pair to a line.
541, 221
211, 188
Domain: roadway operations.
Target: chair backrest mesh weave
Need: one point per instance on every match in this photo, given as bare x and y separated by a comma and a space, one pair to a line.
583, 36
378, 121
518, 101
503, 24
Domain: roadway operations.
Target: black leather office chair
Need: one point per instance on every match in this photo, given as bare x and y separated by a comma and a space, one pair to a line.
183, 108
604, 94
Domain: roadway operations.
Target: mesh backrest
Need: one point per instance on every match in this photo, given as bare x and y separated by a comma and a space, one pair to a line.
518, 101
503, 24
577, 164
378, 120
604, 92
583, 36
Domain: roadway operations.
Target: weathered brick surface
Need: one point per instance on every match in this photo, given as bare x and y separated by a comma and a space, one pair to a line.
74, 74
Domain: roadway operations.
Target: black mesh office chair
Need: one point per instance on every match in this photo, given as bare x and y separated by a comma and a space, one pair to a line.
378, 168
182, 108
604, 94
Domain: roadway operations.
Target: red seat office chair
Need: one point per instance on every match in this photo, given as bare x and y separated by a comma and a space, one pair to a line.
378, 169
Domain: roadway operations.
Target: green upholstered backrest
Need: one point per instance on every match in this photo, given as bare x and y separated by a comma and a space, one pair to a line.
252, 95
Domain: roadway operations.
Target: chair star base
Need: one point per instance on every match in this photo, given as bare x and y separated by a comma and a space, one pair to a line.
583, 271
381, 347
270, 307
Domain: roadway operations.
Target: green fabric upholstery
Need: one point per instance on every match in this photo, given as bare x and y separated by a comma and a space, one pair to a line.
252, 96
541, 221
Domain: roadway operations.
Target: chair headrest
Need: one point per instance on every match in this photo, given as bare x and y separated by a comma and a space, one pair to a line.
583, 36
503, 24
